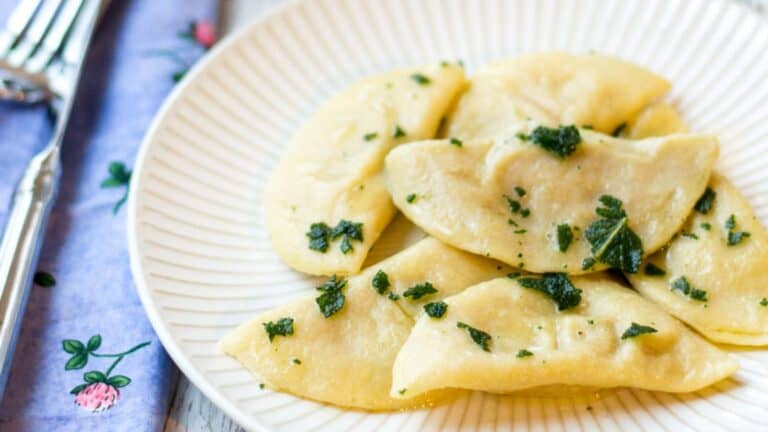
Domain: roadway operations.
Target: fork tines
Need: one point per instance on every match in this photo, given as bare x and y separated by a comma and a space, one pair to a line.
36, 32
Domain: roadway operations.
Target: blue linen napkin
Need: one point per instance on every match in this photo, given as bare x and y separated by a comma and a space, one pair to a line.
87, 357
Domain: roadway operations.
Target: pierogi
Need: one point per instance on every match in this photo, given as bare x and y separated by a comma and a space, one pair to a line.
346, 359
612, 338
326, 203
507, 199
721, 265
553, 89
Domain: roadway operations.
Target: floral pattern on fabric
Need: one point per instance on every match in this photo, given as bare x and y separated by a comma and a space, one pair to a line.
100, 391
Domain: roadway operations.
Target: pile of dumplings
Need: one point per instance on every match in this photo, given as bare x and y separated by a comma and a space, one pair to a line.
554, 224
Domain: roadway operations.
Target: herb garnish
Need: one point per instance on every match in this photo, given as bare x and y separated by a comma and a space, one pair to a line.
436, 309
706, 201
652, 269
514, 205
557, 286
764, 302
283, 327
480, 337
521, 231
636, 330
296, 361
332, 299
420, 79
612, 241
734, 237
319, 235
392, 296
689, 235
681, 284
514, 275
410, 198
418, 291
520, 191
370, 136
619, 129
523, 353
457, 142
350, 231
706, 226
402, 391
564, 237
380, 282
560, 141
399, 132
525, 212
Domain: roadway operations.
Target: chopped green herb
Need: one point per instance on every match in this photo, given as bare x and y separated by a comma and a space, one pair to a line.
588, 263
370, 136
402, 391
612, 241
706, 225
332, 299
652, 269
619, 129
557, 286
689, 235
392, 296
514, 205
418, 291
764, 302
734, 237
588, 127
706, 201
521, 136
636, 330
296, 361
512, 222
564, 237
350, 231
480, 337
561, 141
520, 191
436, 309
591, 322
457, 142
318, 236
44, 279
410, 198
282, 327
380, 282
682, 285
521, 231
525, 212
514, 275
261, 386
420, 79
524, 353
399, 132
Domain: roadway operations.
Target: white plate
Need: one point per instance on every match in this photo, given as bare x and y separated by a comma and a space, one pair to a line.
199, 251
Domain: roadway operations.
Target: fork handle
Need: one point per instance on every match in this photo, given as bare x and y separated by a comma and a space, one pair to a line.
20, 247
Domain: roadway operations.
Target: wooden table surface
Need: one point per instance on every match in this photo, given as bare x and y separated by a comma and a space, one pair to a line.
190, 410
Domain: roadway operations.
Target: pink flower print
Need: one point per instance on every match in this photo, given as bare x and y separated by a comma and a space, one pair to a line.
204, 33
97, 397
100, 391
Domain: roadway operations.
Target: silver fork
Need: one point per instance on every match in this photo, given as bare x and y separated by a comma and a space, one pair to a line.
41, 55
